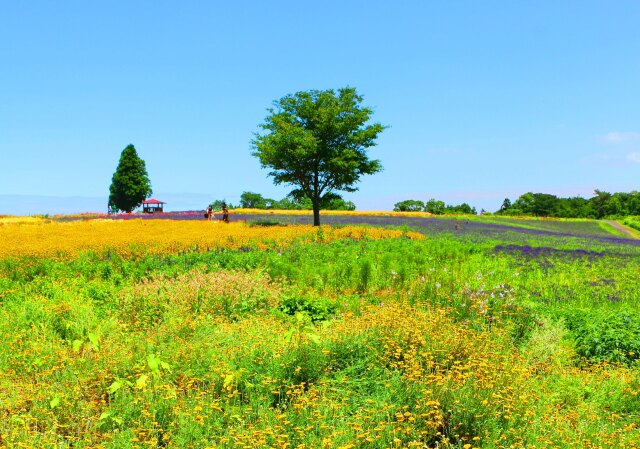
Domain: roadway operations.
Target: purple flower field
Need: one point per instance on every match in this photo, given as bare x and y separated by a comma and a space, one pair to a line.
579, 233
525, 237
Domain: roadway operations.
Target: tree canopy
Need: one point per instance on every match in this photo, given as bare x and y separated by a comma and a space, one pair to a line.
434, 206
130, 184
252, 200
317, 141
601, 205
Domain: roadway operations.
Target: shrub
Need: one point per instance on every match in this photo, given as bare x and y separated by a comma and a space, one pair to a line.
318, 309
549, 345
266, 222
605, 335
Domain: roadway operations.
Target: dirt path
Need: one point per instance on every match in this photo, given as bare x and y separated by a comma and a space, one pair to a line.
622, 228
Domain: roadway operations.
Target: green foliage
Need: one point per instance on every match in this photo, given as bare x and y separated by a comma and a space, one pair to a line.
606, 335
316, 308
251, 200
330, 201
317, 141
217, 205
633, 222
409, 206
130, 184
549, 343
435, 207
265, 223
337, 203
292, 203
537, 204
463, 208
601, 205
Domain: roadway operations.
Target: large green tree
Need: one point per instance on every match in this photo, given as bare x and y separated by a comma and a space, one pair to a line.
409, 206
436, 207
317, 141
130, 184
252, 200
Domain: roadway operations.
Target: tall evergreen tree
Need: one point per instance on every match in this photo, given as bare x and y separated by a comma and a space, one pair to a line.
506, 204
130, 184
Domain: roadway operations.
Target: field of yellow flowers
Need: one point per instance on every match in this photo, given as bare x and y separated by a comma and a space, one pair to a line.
158, 333
42, 238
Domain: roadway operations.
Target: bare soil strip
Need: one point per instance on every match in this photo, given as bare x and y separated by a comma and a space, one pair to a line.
624, 229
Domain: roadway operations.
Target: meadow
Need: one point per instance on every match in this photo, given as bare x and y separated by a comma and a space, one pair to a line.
373, 331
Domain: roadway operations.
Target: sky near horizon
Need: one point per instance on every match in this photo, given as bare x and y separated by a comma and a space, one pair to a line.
484, 100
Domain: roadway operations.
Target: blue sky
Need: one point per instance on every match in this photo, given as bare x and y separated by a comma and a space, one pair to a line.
484, 100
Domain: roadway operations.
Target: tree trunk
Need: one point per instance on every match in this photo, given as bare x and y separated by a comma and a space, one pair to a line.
316, 213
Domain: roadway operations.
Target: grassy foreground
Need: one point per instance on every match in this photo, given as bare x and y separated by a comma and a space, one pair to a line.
161, 334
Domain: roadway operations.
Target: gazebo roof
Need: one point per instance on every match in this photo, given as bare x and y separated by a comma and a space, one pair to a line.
153, 201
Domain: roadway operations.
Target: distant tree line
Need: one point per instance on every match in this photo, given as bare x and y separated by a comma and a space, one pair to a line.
433, 206
253, 200
602, 204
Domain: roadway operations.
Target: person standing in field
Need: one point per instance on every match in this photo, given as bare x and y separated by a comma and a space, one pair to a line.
209, 212
225, 213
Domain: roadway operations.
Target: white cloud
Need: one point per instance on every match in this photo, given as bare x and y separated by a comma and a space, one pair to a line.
616, 137
634, 157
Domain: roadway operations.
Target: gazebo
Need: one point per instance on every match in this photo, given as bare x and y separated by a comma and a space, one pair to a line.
152, 205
